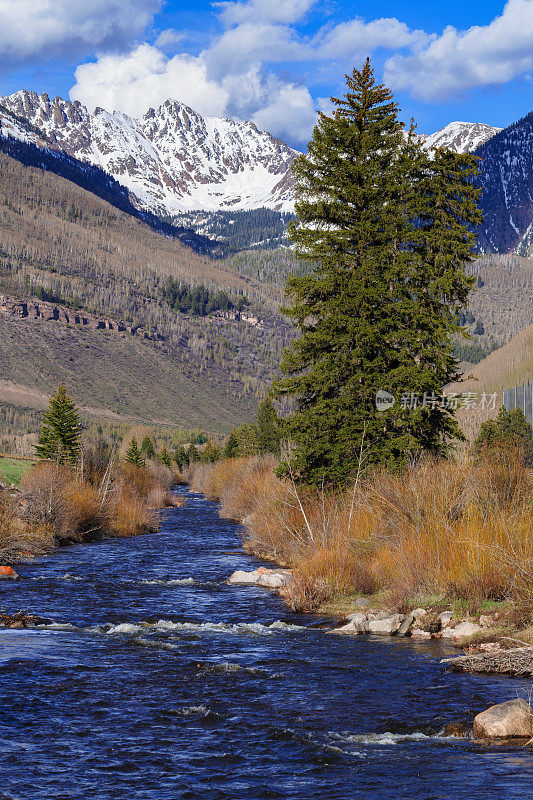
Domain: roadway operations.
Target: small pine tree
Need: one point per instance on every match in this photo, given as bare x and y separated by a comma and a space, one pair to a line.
164, 457
134, 455
147, 447
268, 428
181, 457
210, 454
193, 454
231, 448
247, 437
59, 436
510, 428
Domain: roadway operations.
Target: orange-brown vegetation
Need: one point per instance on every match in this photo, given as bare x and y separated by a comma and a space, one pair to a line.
457, 529
93, 501
19, 540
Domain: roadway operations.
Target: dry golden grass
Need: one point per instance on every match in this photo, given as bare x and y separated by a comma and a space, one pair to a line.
121, 502
460, 529
19, 540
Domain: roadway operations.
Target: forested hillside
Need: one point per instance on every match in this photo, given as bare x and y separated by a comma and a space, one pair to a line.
60, 241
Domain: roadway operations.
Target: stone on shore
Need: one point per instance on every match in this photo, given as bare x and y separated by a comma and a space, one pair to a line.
445, 618
353, 628
386, 626
407, 624
268, 578
465, 629
358, 617
513, 719
8, 574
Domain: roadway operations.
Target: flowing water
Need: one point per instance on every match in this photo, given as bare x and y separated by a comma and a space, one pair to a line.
157, 681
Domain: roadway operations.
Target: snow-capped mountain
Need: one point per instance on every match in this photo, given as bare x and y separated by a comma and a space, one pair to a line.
172, 159
461, 137
506, 175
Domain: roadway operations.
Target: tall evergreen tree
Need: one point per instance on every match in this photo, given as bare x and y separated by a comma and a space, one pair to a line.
59, 436
387, 226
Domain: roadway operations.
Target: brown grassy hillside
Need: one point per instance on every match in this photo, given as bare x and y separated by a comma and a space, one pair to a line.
114, 376
508, 366
504, 301
57, 237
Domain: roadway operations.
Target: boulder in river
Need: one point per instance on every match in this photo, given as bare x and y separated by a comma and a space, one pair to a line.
386, 626
513, 719
268, 578
8, 574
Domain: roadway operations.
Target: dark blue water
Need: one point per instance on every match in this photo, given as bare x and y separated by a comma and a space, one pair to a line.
158, 681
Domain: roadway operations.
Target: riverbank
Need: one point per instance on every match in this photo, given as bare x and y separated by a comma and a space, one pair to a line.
58, 505
153, 677
446, 538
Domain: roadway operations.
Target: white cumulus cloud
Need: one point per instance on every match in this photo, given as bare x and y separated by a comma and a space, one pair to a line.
42, 29
457, 61
133, 82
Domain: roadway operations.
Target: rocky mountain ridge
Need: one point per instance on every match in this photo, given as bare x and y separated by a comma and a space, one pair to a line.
173, 160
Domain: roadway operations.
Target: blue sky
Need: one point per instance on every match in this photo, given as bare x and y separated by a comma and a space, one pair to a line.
273, 61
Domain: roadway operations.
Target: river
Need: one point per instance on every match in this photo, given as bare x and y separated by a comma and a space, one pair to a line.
157, 681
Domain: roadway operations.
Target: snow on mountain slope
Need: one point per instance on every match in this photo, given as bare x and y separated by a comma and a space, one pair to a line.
172, 159
506, 175
461, 137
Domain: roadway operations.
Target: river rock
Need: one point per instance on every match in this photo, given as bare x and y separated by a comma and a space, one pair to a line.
275, 580
268, 578
419, 613
8, 574
362, 602
465, 629
353, 628
445, 618
420, 634
358, 617
447, 633
386, 626
504, 721
485, 621
458, 729
406, 625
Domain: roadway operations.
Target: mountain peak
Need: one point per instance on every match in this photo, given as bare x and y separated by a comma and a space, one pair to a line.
461, 137
172, 159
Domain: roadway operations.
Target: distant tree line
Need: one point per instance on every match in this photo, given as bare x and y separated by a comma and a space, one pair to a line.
261, 228
199, 300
